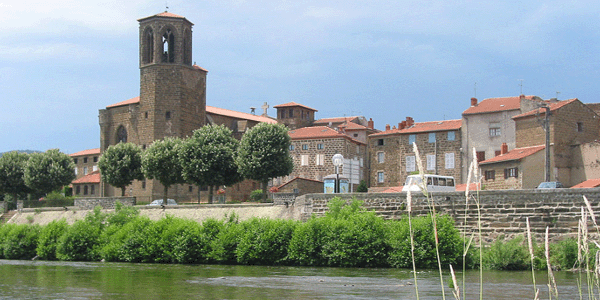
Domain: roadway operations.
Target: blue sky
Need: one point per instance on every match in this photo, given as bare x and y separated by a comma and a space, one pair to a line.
62, 61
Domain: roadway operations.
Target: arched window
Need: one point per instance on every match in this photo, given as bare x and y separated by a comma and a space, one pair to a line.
85, 189
168, 40
121, 134
148, 54
187, 47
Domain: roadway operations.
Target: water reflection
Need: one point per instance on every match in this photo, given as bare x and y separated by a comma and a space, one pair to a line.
76, 280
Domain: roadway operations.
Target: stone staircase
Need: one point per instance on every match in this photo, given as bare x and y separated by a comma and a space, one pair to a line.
7, 216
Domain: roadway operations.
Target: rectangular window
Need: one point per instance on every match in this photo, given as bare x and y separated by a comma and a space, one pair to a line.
95, 158
77, 190
490, 175
432, 137
430, 162
495, 132
85, 170
511, 172
449, 159
451, 135
92, 189
411, 139
291, 113
75, 171
320, 159
304, 160
75, 160
168, 115
95, 168
480, 156
304, 146
410, 164
380, 177
579, 126
85, 160
380, 142
320, 146
190, 188
291, 147
283, 113
380, 157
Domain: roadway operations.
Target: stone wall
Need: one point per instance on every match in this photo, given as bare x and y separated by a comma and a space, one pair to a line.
104, 202
502, 212
283, 198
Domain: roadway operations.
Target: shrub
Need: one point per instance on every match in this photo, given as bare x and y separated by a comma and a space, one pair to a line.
563, 255
49, 237
80, 242
223, 246
362, 187
21, 242
264, 241
306, 243
127, 243
256, 195
191, 243
507, 255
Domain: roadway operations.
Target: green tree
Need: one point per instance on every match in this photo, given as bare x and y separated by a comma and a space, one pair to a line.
12, 170
264, 154
161, 161
49, 171
362, 187
121, 164
208, 158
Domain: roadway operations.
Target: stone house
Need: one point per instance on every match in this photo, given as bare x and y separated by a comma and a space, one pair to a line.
520, 168
88, 185
312, 149
301, 186
86, 161
294, 115
487, 125
571, 123
391, 155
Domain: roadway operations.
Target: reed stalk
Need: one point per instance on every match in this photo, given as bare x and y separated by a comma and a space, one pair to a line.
531, 255
412, 239
552, 289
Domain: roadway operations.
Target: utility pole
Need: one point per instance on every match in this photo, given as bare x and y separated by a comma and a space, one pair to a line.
547, 129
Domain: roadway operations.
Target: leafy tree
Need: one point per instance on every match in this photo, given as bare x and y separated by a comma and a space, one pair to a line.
208, 158
12, 169
161, 161
49, 171
264, 153
362, 187
121, 164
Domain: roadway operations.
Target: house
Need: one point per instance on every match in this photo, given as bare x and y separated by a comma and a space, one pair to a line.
294, 115
571, 124
312, 150
86, 161
590, 183
488, 124
519, 168
87, 186
392, 158
301, 186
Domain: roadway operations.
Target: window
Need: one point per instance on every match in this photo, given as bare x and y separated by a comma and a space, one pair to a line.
75, 171
144, 184
95, 168
579, 126
92, 189
380, 157
495, 132
320, 159
168, 47
432, 137
85, 160
304, 160
146, 115
291, 147
121, 134
356, 135
511, 172
291, 112
380, 142
95, 158
411, 139
85, 170
149, 46
85, 189
480, 156
430, 162
320, 146
168, 115
497, 152
449, 160
490, 175
380, 177
410, 164
75, 160
305, 147
78, 190
451, 135
283, 113
190, 188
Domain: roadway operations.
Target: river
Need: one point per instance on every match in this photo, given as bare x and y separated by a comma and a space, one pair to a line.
85, 280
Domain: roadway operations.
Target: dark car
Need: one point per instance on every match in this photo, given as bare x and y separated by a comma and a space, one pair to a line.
550, 185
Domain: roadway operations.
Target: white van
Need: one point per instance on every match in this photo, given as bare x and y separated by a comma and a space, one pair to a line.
435, 183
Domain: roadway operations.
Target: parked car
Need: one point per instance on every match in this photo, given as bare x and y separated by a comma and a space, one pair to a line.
160, 202
550, 185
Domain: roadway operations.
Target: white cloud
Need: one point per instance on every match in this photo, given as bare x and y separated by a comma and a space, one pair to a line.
46, 51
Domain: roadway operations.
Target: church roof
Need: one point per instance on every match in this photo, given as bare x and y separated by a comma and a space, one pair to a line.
166, 14
238, 115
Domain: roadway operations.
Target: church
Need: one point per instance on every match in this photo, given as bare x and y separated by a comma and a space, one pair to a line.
172, 103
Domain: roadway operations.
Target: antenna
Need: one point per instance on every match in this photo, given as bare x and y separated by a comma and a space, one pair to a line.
475, 89
521, 85
557, 93
166, 6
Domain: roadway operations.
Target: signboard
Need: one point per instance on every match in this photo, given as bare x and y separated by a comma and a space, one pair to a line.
329, 186
352, 170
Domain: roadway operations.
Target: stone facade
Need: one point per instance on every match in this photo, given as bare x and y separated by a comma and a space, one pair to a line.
301, 186
86, 161
528, 171
103, 202
294, 115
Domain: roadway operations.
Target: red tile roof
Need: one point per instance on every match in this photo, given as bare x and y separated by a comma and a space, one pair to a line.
542, 111
195, 66
463, 187
497, 104
432, 126
590, 183
293, 104
86, 152
353, 126
393, 189
238, 115
133, 100
298, 178
93, 177
165, 14
515, 154
326, 121
318, 132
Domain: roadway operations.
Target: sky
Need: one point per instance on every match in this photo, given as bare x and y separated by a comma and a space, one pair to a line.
62, 61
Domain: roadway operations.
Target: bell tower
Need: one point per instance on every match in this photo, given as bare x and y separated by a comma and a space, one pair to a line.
172, 90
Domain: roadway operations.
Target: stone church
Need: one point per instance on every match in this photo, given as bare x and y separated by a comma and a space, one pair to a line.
172, 103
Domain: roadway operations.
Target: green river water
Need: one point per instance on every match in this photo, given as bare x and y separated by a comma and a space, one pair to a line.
83, 280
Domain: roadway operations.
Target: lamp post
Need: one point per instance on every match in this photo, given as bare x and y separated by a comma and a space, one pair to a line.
338, 161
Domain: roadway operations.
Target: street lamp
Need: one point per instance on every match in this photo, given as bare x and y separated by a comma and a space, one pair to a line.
338, 161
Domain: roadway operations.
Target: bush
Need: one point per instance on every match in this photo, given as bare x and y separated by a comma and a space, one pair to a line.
450, 242
362, 187
256, 195
80, 242
21, 241
49, 237
264, 241
126, 243
563, 255
306, 243
507, 255
223, 246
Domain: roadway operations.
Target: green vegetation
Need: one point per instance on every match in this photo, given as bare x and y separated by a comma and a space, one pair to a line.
121, 164
160, 161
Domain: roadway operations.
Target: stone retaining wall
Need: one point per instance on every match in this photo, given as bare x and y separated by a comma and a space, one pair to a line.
104, 202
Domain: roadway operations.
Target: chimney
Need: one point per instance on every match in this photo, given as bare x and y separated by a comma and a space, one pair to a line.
400, 126
473, 101
387, 127
403, 124
371, 124
409, 122
394, 127
503, 149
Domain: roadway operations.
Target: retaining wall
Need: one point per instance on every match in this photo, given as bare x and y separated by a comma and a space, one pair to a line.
104, 202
